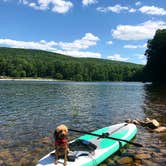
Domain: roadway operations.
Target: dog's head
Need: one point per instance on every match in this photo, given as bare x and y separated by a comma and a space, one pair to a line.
61, 132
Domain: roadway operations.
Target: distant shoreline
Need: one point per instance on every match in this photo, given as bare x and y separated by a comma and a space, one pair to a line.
28, 79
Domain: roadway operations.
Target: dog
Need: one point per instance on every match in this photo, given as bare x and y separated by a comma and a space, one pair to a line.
61, 143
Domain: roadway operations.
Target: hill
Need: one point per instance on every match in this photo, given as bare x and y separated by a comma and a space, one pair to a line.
15, 62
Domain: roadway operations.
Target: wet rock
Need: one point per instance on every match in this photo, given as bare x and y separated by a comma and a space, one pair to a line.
136, 121
161, 160
149, 163
35, 161
24, 162
125, 160
3, 142
14, 164
153, 124
137, 162
109, 161
103, 164
2, 162
160, 129
163, 151
150, 123
128, 121
142, 156
155, 154
6, 155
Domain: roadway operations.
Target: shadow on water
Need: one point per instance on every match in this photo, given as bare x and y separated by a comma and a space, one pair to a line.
155, 102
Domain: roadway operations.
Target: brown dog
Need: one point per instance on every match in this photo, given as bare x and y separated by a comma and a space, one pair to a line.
61, 143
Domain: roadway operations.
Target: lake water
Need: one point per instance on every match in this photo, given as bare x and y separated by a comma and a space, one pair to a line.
30, 110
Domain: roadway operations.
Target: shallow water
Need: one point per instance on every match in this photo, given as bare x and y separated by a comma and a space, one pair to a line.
30, 110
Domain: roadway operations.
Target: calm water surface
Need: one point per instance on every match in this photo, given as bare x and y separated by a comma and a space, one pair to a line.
30, 110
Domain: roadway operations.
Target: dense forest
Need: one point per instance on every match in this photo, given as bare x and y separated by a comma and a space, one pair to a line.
18, 63
156, 57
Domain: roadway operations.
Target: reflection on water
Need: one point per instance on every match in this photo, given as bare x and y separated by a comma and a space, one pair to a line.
155, 102
30, 110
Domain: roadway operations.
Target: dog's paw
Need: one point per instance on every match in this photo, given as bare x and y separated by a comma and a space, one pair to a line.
56, 162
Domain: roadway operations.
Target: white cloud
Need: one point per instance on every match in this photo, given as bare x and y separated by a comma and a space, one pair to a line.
68, 48
142, 58
138, 3
33, 45
141, 31
117, 57
109, 42
87, 41
116, 9
57, 6
132, 10
88, 2
80, 53
152, 10
130, 46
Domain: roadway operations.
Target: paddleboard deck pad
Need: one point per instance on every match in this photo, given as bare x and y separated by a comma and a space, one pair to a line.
89, 150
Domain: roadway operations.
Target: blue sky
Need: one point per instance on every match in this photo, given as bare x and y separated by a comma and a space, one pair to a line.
109, 29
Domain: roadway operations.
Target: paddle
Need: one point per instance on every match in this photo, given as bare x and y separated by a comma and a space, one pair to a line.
104, 135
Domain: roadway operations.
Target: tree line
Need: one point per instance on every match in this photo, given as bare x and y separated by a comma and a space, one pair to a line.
16, 62
155, 68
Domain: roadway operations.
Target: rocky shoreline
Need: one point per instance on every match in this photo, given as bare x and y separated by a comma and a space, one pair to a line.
153, 153
152, 124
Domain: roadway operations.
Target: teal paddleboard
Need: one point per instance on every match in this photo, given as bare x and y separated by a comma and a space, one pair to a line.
89, 150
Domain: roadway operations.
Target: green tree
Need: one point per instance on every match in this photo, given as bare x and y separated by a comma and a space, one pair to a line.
78, 77
35, 63
23, 73
156, 58
59, 76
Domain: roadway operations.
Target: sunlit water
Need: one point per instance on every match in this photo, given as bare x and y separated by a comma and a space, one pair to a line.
30, 110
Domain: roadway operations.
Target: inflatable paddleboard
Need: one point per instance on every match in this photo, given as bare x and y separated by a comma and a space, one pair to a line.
90, 150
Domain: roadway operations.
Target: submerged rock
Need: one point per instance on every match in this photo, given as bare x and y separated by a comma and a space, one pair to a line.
142, 156
6, 155
24, 162
163, 151
125, 160
161, 129
149, 163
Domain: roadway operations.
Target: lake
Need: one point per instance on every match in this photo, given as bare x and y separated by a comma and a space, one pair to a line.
30, 110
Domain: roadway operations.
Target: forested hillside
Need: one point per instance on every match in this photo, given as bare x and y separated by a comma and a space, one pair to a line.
35, 63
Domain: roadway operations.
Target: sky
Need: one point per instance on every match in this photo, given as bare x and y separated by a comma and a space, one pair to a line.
107, 29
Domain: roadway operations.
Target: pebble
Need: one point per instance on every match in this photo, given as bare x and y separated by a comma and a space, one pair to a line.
125, 160
142, 156
149, 163
138, 161
1, 162
163, 151
161, 129
103, 164
24, 162
4, 142
5, 155
110, 161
